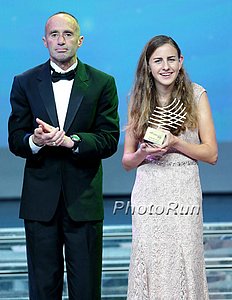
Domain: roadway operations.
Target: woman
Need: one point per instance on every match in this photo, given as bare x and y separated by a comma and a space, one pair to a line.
167, 259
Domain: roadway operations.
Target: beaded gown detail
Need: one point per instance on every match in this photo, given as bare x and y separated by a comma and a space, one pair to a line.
167, 257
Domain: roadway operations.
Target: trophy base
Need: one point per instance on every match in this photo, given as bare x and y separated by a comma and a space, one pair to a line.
154, 136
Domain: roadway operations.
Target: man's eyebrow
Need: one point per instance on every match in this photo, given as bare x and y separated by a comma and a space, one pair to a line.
68, 31
56, 31
53, 31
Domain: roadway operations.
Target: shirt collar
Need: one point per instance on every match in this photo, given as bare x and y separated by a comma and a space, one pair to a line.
59, 70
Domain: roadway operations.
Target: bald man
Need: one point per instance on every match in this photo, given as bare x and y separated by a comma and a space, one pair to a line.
64, 121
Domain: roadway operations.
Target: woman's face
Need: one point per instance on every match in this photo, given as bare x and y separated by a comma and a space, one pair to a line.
164, 65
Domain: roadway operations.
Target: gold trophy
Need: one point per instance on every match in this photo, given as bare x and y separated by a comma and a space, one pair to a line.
167, 118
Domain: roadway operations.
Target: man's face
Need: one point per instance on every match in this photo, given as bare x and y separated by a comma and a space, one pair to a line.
62, 38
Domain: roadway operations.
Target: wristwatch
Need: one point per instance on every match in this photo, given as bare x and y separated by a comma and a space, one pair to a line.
76, 140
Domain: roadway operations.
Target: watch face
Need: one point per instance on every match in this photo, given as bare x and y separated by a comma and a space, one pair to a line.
75, 138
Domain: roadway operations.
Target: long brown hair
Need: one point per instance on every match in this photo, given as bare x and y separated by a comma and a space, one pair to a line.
144, 98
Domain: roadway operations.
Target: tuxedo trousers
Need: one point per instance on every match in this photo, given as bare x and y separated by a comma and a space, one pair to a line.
50, 244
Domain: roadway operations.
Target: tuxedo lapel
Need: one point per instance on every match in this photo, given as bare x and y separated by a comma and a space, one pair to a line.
46, 93
78, 91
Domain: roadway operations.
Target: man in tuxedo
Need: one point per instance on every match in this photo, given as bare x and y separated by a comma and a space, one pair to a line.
64, 121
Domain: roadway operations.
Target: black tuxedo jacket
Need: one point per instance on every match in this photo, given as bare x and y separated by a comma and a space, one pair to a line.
92, 114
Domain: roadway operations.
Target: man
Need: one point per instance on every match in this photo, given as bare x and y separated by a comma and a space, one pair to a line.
63, 127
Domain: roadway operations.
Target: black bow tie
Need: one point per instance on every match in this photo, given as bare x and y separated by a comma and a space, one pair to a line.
63, 76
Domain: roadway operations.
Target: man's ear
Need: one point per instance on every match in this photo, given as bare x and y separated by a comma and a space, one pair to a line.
80, 41
45, 41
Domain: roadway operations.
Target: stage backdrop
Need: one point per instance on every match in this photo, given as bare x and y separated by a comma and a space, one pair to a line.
115, 33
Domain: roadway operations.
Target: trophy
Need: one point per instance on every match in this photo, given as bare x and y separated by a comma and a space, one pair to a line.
169, 118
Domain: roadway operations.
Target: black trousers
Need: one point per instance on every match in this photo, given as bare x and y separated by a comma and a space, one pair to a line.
82, 245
